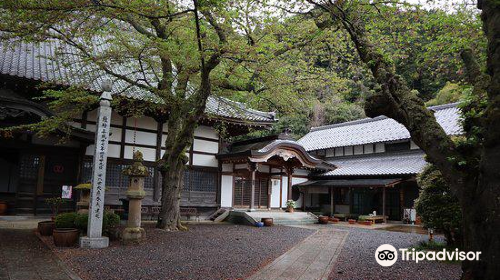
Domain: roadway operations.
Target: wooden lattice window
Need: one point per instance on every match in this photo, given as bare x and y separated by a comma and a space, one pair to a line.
28, 166
200, 181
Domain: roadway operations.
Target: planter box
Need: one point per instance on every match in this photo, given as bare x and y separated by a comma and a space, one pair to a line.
65, 237
351, 221
323, 220
267, 221
45, 228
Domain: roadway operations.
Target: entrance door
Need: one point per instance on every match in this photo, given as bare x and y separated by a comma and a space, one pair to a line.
243, 192
41, 176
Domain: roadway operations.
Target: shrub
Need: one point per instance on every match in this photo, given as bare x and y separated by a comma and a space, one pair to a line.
81, 221
438, 207
66, 220
110, 220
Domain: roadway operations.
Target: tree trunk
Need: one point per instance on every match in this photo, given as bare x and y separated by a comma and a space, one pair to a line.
169, 218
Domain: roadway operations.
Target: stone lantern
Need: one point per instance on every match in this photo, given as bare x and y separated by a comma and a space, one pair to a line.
133, 233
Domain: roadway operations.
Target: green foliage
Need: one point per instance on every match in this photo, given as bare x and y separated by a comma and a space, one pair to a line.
54, 204
66, 220
450, 93
438, 207
81, 222
110, 220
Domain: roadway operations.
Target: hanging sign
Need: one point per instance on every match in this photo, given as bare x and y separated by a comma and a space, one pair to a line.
66, 192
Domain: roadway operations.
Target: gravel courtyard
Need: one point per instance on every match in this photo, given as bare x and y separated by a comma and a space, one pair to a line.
204, 252
357, 258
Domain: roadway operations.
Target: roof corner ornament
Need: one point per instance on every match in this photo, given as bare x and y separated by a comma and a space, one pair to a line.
285, 155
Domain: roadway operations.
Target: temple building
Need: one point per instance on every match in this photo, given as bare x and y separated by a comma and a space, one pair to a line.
377, 164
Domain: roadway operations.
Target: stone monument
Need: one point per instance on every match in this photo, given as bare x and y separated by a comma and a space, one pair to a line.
94, 238
136, 173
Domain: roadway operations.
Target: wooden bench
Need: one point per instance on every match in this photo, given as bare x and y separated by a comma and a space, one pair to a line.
374, 219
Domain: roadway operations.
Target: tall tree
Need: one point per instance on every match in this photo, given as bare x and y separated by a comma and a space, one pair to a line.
166, 49
471, 168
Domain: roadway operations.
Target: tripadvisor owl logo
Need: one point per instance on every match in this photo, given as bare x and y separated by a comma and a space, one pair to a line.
386, 255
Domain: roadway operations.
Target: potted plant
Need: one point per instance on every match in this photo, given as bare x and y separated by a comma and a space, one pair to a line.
323, 220
55, 204
290, 205
65, 234
267, 221
84, 200
333, 219
3, 207
45, 228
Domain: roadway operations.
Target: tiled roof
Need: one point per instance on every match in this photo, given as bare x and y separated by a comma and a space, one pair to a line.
402, 163
39, 62
374, 130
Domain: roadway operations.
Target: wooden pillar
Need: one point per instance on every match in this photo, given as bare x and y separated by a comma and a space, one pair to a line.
383, 204
304, 200
281, 188
289, 171
401, 202
332, 205
253, 169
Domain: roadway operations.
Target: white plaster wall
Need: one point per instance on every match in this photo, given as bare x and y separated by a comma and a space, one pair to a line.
369, 149
330, 152
348, 151
206, 131
227, 167
358, 149
413, 146
284, 195
205, 146
114, 151
339, 151
379, 147
205, 160
240, 166
141, 137
143, 122
275, 193
149, 154
263, 168
226, 191
298, 203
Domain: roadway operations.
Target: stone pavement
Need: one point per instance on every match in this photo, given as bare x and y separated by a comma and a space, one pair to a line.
312, 259
24, 257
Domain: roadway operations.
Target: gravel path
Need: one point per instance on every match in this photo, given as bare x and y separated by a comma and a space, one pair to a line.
357, 258
204, 252
24, 257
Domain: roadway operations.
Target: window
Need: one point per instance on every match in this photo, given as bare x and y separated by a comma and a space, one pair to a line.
200, 180
114, 175
396, 147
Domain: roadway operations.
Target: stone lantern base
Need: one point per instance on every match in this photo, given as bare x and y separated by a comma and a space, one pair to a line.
133, 235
